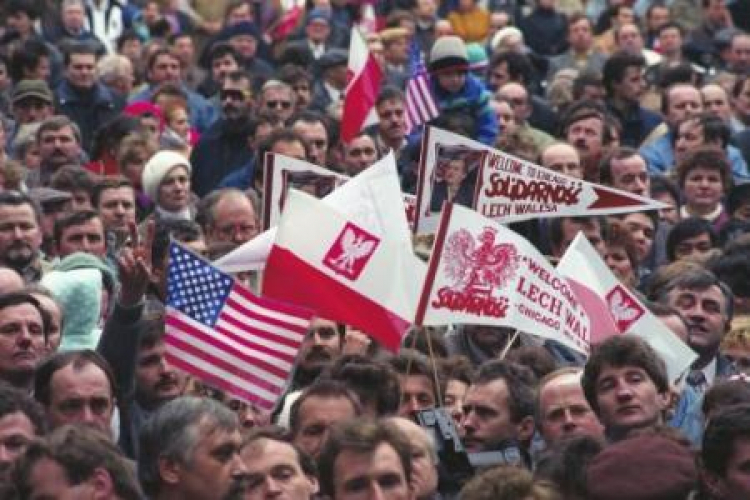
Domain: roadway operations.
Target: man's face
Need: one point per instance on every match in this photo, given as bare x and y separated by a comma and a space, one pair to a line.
274, 471
684, 101
155, 379
359, 154
628, 399
426, 9
519, 100
705, 312
416, 394
222, 66
696, 248
80, 70
424, 476
629, 174
20, 235
487, 421
688, 137
74, 18
20, 23
278, 101
54, 312
362, 476
630, 89
166, 68
21, 341
630, 39
184, 49
587, 136
658, 17
318, 30
739, 54
498, 76
579, 35
59, 147
564, 159
16, 433
87, 237
245, 45
397, 52
316, 137
453, 398
565, 412
81, 396
117, 208
716, 101
392, 124
303, 93
641, 229
670, 41
716, 12
322, 344
234, 220
317, 415
216, 469
571, 227
235, 99
742, 102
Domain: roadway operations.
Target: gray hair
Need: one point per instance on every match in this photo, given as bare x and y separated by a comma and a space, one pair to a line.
206, 206
698, 279
69, 3
173, 433
113, 66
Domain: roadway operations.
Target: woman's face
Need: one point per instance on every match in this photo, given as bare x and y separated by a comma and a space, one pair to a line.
703, 188
174, 190
133, 168
618, 262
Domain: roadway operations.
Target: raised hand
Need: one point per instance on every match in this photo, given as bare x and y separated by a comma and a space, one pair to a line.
134, 265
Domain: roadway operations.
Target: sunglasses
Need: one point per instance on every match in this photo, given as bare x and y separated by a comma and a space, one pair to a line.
362, 151
233, 95
279, 104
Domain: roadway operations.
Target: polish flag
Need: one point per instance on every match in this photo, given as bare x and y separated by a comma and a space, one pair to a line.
373, 198
345, 272
602, 294
362, 91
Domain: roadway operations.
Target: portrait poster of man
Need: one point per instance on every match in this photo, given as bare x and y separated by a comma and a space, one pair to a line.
282, 172
444, 153
455, 176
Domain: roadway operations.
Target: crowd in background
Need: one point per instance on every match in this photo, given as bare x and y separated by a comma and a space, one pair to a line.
125, 125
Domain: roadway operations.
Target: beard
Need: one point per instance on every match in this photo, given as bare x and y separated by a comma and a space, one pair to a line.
19, 255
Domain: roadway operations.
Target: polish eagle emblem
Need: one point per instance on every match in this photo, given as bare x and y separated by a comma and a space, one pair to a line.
350, 252
625, 310
479, 265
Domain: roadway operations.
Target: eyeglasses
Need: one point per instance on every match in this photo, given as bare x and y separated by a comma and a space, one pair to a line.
233, 94
232, 230
279, 104
362, 151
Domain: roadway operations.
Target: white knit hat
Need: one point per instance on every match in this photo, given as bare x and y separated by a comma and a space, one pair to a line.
157, 168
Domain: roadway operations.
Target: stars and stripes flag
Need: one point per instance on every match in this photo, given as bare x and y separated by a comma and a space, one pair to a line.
219, 332
420, 104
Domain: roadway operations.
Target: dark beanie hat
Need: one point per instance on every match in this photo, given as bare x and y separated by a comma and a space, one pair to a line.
647, 467
243, 28
448, 52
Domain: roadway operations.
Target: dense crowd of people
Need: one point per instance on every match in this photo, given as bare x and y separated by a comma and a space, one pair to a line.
126, 125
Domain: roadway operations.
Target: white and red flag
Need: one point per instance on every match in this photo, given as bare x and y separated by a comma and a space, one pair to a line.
373, 199
618, 309
361, 92
346, 272
219, 332
481, 272
508, 189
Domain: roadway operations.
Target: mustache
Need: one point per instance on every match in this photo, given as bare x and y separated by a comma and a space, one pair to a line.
317, 353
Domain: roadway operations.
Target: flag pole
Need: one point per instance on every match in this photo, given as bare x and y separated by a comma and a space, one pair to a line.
509, 344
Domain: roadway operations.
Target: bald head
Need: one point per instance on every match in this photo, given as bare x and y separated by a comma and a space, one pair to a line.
518, 96
10, 280
562, 158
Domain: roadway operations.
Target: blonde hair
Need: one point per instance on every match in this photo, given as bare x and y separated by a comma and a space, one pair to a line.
738, 336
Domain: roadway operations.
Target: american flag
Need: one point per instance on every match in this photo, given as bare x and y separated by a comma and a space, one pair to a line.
420, 104
219, 332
